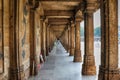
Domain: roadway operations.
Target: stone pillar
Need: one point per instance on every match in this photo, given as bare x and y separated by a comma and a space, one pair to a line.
47, 46
109, 41
67, 36
50, 46
72, 38
1, 38
31, 42
65, 39
88, 67
43, 38
49, 39
15, 69
46, 25
77, 56
68, 39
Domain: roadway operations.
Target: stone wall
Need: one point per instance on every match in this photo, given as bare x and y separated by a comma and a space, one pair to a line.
24, 42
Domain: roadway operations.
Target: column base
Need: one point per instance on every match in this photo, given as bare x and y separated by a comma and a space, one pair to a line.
105, 74
77, 56
78, 59
43, 54
72, 51
16, 73
88, 69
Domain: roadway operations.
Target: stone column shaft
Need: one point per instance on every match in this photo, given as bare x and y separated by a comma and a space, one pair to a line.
72, 38
77, 56
46, 25
43, 39
89, 67
47, 37
15, 69
69, 40
109, 41
1, 37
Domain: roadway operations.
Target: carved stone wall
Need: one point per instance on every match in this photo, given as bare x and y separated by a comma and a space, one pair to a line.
24, 42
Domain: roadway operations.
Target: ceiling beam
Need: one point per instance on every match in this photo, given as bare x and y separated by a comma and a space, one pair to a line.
58, 17
59, 12
62, 0
58, 20
59, 23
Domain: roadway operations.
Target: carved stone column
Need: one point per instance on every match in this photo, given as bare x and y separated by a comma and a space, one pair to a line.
68, 38
49, 39
109, 41
31, 42
43, 38
15, 69
46, 25
47, 46
1, 38
72, 38
88, 67
77, 56
67, 42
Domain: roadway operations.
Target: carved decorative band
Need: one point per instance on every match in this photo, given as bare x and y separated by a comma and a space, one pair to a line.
106, 70
16, 70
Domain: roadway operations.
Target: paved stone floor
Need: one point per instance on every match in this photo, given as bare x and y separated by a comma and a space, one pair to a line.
60, 66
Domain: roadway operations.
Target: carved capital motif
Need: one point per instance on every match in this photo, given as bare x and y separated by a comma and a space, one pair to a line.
91, 6
79, 18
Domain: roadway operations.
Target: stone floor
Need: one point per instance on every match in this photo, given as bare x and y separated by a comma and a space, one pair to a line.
60, 66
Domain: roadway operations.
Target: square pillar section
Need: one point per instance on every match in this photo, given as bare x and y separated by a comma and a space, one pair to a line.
72, 38
88, 67
77, 55
109, 41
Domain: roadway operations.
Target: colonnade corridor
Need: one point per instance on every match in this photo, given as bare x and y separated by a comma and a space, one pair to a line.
60, 66
33, 33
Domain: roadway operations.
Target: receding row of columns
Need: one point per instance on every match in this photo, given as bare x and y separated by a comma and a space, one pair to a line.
109, 42
12, 42
108, 69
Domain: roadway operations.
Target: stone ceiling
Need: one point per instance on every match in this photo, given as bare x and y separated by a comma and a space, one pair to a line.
59, 13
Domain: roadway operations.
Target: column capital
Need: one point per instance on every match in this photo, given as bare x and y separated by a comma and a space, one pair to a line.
78, 18
91, 6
